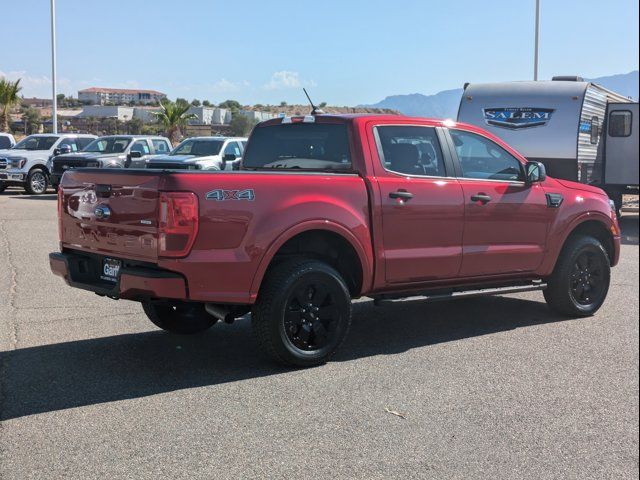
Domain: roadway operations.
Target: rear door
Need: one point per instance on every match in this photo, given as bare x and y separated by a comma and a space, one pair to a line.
506, 220
621, 150
422, 205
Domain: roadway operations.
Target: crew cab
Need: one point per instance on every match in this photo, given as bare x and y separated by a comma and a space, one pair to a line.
329, 208
111, 151
202, 153
28, 163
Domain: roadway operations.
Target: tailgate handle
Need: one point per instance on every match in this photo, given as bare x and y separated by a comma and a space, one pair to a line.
103, 191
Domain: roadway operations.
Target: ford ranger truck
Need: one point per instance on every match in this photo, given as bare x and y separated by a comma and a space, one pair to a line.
326, 209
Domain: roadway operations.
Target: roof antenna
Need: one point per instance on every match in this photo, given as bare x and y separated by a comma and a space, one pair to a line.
314, 110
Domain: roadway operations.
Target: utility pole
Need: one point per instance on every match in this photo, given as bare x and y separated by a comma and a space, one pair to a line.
537, 41
54, 109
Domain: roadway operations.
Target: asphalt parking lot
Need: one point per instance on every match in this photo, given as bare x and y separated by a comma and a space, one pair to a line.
490, 387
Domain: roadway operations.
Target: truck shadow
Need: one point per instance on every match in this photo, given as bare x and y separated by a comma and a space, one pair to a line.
73, 374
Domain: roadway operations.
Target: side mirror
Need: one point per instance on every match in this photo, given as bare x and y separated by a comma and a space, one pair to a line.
135, 154
229, 157
62, 150
536, 172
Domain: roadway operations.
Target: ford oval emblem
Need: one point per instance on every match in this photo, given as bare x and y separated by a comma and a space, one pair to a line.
102, 212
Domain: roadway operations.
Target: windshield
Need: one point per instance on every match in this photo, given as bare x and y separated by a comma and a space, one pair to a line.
36, 143
108, 145
308, 146
199, 148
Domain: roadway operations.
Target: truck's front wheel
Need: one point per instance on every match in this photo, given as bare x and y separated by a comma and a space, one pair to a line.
303, 313
37, 182
184, 318
580, 280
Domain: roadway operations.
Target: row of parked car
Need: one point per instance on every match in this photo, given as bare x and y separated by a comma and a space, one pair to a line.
39, 161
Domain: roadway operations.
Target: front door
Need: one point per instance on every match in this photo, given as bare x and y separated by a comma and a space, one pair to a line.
506, 219
422, 207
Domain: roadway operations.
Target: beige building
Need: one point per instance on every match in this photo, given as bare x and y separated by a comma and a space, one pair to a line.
119, 96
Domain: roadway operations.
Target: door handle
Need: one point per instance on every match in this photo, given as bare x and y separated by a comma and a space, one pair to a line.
402, 194
481, 197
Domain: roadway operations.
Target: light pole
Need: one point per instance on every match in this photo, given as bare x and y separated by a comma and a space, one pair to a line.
535, 53
54, 109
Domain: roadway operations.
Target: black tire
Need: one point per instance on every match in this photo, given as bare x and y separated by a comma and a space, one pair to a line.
580, 281
3, 187
183, 318
37, 182
303, 313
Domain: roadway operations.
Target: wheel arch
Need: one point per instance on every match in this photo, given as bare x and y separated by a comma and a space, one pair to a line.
594, 224
323, 240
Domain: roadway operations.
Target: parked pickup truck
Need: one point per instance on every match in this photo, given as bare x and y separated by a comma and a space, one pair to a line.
202, 153
112, 151
28, 163
330, 208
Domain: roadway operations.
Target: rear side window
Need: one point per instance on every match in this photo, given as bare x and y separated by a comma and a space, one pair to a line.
481, 158
620, 123
306, 146
411, 150
160, 146
140, 146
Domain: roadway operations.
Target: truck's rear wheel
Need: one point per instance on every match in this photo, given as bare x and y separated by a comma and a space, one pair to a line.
37, 182
303, 313
184, 318
580, 280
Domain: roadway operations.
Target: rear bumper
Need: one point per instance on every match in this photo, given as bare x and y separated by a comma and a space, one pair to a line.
134, 283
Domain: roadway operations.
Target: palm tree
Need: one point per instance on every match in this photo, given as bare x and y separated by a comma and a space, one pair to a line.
8, 98
173, 116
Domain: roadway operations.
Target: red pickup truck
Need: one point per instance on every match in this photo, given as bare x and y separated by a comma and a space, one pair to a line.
330, 208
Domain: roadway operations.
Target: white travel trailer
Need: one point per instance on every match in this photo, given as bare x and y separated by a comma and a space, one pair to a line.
580, 130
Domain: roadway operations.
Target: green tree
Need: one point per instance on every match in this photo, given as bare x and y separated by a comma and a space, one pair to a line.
134, 126
283, 103
31, 117
182, 101
195, 102
8, 98
206, 103
322, 104
60, 99
173, 116
232, 105
241, 125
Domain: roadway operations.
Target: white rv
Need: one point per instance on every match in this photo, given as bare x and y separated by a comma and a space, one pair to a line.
580, 130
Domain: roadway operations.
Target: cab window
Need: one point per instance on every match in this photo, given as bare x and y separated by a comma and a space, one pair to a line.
411, 150
482, 158
140, 146
71, 143
160, 146
234, 149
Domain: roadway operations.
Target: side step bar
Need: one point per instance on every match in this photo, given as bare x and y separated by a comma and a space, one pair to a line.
482, 292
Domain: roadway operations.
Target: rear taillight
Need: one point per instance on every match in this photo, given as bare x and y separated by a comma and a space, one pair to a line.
177, 223
60, 200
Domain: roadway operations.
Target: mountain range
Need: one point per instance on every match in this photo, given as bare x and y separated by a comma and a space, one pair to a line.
445, 104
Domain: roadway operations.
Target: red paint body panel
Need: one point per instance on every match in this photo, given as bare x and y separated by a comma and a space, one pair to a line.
439, 237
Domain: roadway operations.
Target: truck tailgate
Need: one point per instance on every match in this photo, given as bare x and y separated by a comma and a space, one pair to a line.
111, 212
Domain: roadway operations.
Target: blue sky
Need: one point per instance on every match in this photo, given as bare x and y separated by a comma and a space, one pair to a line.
347, 52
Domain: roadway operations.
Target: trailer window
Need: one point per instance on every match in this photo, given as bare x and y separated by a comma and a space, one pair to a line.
595, 130
620, 123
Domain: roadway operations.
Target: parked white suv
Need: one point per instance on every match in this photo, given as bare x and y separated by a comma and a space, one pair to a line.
28, 163
202, 153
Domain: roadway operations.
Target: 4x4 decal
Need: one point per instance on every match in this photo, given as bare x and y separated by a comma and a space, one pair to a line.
222, 195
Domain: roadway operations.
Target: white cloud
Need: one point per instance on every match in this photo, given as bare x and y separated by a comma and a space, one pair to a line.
226, 86
286, 79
